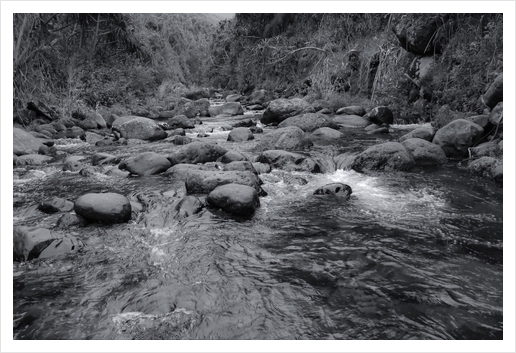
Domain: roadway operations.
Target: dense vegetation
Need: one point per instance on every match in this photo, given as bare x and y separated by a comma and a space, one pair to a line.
120, 62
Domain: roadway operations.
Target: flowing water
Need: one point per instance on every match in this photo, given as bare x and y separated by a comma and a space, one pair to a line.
413, 255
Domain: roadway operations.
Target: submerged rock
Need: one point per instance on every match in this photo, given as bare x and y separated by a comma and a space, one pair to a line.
236, 199
33, 242
74, 163
188, 206
32, 159
106, 207
104, 158
337, 189
327, 133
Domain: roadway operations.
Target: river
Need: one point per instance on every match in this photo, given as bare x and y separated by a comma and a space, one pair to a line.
412, 255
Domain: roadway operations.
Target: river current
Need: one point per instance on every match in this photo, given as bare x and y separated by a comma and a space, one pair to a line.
412, 255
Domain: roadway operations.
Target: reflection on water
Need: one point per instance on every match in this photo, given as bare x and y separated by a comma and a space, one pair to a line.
410, 256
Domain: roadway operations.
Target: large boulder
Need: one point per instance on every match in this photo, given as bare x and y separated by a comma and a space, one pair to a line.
381, 115
204, 181
188, 206
289, 161
482, 120
336, 189
456, 137
186, 107
494, 94
419, 33
309, 122
425, 152
289, 138
234, 97
425, 133
352, 110
388, 156
231, 108
180, 121
148, 163
352, 121
282, 108
197, 152
137, 127
239, 200
33, 243
487, 149
104, 207
25, 143
240, 134
260, 97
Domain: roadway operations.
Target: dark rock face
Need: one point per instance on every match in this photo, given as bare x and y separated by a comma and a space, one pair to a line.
425, 152
55, 204
137, 127
309, 122
144, 164
25, 143
106, 208
236, 199
197, 94
389, 156
352, 110
180, 121
418, 33
281, 109
456, 137
351, 121
425, 133
188, 206
240, 134
203, 182
337, 189
494, 94
289, 138
231, 108
197, 152
381, 115
289, 161
33, 242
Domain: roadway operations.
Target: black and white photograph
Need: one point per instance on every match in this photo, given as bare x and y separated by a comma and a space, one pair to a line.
328, 178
